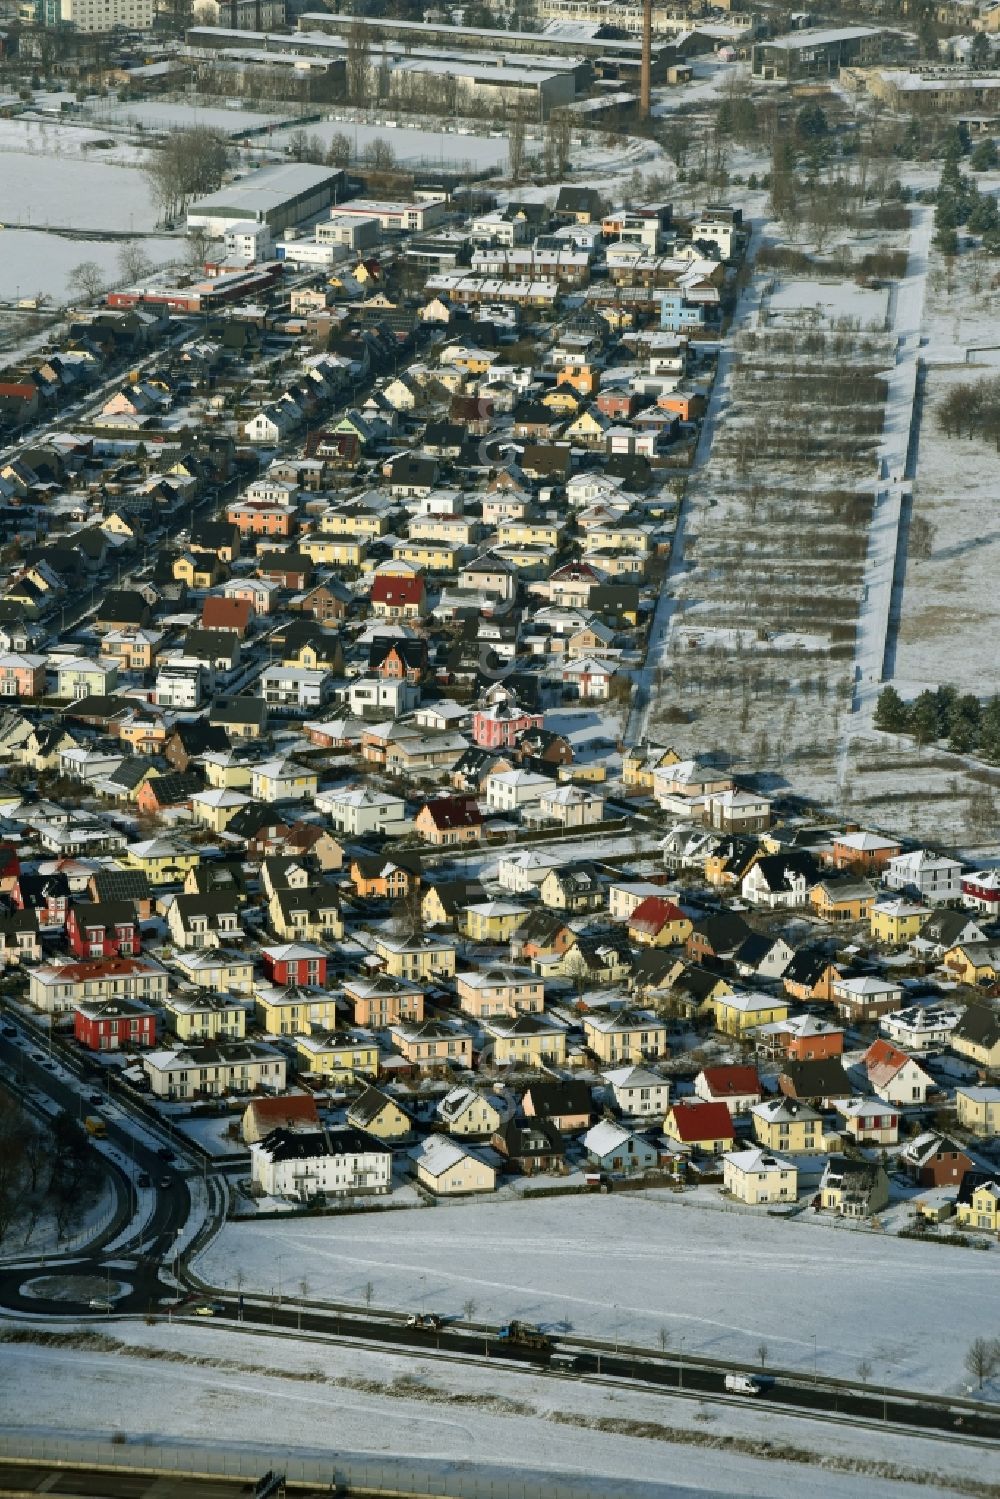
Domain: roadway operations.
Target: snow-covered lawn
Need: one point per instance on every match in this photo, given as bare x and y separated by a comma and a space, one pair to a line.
632, 1264
156, 114
69, 192
33, 263
412, 147
832, 301
322, 1400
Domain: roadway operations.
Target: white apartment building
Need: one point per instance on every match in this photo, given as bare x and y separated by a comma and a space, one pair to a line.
227, 1067
305, 1164
105, 15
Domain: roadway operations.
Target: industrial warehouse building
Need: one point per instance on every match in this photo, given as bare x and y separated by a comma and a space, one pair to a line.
816, 52
279, 196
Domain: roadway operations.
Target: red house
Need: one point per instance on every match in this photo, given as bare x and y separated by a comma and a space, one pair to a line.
500, 725
10, 866
398, 596
226, 614
295, 963
114, 1024
45, 894
103, 929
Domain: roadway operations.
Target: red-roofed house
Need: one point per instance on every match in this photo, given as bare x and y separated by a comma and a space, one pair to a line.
658, 922
448, 820
398, 596
894, 1076
737, 1087
226, 614
700, 1126
295, 1111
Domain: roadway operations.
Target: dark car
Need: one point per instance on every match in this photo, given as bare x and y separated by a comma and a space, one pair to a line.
164, 1152
166, 1181
144, 1179
95, 1100
8, 1030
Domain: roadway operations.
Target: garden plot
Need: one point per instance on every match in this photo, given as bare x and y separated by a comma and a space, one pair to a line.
628, 1265
776, 523
831, 303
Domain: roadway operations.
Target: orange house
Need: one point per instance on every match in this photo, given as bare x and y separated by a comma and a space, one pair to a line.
260, 518
581, 378
686, 405
377, 877
447, 820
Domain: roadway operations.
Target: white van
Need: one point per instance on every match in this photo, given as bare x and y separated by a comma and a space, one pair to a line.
743, 1384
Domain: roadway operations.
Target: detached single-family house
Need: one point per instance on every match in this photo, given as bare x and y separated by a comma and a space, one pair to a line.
853, 1188
610, 1147
894, 1076
786, 1124
703, 1127
639, 1093
756, 1176
737, 1087
449, 1168
867, 1121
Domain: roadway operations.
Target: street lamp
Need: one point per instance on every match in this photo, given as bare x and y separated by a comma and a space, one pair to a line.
815, 1361
680, 1367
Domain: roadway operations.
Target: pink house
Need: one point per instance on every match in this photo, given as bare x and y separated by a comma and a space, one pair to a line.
500, 725
22, 676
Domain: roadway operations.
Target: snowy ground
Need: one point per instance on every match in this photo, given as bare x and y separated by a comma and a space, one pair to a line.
322, 1399
65, 191
633, 1264
158, 114
831, 300
413, 147
34, 264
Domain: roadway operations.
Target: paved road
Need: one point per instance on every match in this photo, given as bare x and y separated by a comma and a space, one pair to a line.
157, 1214
795, 1395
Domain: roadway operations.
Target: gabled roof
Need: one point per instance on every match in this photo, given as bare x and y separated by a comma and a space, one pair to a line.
702, 1121
731, 1082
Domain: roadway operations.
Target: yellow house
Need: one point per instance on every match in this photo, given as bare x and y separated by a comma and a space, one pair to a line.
354, 521
448, 1168
896, 922
977, 1036
786, 1124
588, 429
379, 1115
225, 771
336, 551
735, 1014
979, 1109
197, 569
311, 914
420, 956
531, 533
642, 761
974, 962
492, 920
430, 556
343, 1056
982, 1211
755, 1176
473, 361
625, 1035
563, 400
217, 807
526, 1040
615, 537
294, 1011
205, 1017
432, 1043
161, 860
848, 900
219, 970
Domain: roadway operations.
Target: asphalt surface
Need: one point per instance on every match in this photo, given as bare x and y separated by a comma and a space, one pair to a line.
669, 1372
138, 1255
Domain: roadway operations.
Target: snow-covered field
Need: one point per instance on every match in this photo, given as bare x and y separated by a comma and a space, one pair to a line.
321, 1399
632, 1264
832, 301
412, 147
69, 192
157, 114
33, 263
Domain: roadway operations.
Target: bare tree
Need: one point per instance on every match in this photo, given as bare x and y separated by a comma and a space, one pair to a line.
762, 1352
338, 153
369, 1293
133, 262
358, 62
379, 155
87, 280
663, 1338
982, 1359
515, 145
469, 1308
864, 1370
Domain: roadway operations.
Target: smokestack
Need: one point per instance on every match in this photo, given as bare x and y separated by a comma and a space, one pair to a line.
647, 53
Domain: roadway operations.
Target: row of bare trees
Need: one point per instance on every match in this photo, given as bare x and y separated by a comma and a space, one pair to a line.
45, 1170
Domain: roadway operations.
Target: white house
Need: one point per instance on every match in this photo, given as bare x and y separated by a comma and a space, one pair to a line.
227, 1067
869, 1121
524, 871
296, 687
330, 1162
638, 1092
571, 806
512, 790
921, 1027
895, 1077
935, 877
384, 697
182, 683
363, 809
282, 781
775, 883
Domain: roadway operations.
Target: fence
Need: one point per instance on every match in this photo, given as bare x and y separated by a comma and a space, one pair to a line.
407, 1478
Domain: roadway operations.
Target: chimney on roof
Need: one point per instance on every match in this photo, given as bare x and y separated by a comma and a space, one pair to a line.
647, 51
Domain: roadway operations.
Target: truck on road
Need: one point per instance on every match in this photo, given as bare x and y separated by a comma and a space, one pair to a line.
524, 1335
743, 1384
95, 1126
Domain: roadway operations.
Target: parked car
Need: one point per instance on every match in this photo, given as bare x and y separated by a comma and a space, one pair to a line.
209, 1309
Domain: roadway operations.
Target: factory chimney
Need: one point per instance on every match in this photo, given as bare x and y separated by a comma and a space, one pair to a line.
647, 51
